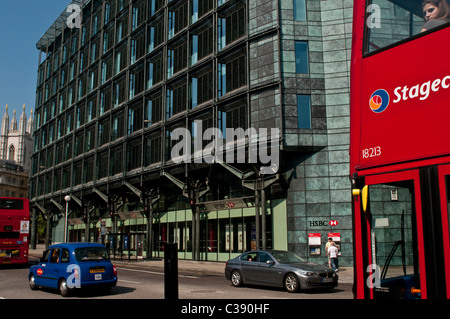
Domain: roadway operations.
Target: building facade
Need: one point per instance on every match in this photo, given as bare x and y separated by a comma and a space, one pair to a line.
16, 145
114, 94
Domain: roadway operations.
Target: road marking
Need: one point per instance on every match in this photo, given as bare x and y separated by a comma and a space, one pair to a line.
130, 282
155, 272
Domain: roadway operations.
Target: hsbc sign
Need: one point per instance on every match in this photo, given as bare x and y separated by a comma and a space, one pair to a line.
321, 223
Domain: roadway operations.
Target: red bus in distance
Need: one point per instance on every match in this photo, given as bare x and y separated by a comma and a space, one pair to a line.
400, 149
14, 230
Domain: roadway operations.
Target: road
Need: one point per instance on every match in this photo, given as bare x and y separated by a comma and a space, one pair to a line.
137, 282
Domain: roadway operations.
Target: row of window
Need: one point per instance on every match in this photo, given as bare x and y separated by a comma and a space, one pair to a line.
110, 129
230, 28
178, 98
135, 154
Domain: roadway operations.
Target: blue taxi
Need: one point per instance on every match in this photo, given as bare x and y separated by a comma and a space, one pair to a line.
73, 265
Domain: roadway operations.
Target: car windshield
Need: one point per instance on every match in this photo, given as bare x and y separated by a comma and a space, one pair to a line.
91, 253
287, 257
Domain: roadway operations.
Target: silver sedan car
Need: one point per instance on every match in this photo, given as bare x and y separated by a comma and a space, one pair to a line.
278, 268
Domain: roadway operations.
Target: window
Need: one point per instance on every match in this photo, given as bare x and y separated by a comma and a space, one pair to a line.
201, 44
232, 116
232, 74
91, 110
153, 110
120, 59
301, 57
304, 111
155, 34
117, 129
103, 132
102, 165
138, 15
67, 149
116, 161
55, 255
121, 28
137, 47
176, 100
119, 92
107, 69
93, 79
134, 118
154, 71
231, 27
65, 256
12, 151
177, 58
388, 23
105, 100
76, 173
200, 8
90, 138
134, 152
178, 18
79, 140
152, 149
88, 170
108, 39
201, 89
155, 5
299, 10
136, 81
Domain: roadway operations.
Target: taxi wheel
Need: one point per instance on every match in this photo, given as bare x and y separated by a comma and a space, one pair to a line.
63, 289
32, 283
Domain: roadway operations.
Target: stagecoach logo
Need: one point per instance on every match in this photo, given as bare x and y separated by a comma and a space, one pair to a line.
379, 101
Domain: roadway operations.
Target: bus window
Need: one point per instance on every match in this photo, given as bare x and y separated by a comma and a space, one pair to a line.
391, 21
394, 240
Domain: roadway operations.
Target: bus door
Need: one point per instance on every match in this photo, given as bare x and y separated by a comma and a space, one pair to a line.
444, 190
396, 266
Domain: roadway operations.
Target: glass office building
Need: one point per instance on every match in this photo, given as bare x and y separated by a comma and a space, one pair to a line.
114, 93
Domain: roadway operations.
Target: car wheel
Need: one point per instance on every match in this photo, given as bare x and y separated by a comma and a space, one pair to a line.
63, 288
291, 283
32, 283
236, 278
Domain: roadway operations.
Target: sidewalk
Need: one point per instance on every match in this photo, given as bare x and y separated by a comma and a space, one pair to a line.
190, 267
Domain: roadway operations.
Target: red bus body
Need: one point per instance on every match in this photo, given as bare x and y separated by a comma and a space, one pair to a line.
14, 230
400, 150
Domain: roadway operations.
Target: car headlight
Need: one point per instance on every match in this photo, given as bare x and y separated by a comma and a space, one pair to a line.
307, 273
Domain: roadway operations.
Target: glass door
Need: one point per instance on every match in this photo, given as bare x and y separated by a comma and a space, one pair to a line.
444, 190
396, 247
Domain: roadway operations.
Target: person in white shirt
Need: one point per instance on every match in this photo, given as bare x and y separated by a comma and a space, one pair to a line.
333, 255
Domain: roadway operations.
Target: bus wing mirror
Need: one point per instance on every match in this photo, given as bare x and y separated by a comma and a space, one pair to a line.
364, 193
364, 197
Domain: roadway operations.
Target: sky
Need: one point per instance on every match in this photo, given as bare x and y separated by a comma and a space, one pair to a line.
22, 23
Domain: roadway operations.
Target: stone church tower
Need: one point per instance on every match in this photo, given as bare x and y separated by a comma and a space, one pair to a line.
16, 139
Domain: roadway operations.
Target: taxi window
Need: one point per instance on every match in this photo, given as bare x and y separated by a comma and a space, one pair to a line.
55, 255
91, 253
45, 256
391, 21
65, 256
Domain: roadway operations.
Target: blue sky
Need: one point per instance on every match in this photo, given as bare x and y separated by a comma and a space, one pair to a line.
22, 23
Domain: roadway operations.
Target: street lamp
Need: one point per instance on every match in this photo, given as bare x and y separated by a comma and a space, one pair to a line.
67, 199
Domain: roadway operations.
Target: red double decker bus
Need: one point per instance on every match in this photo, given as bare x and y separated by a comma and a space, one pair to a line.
14, 230
400, 148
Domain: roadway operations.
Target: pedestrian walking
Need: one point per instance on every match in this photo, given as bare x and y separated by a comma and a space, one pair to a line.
333, 255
